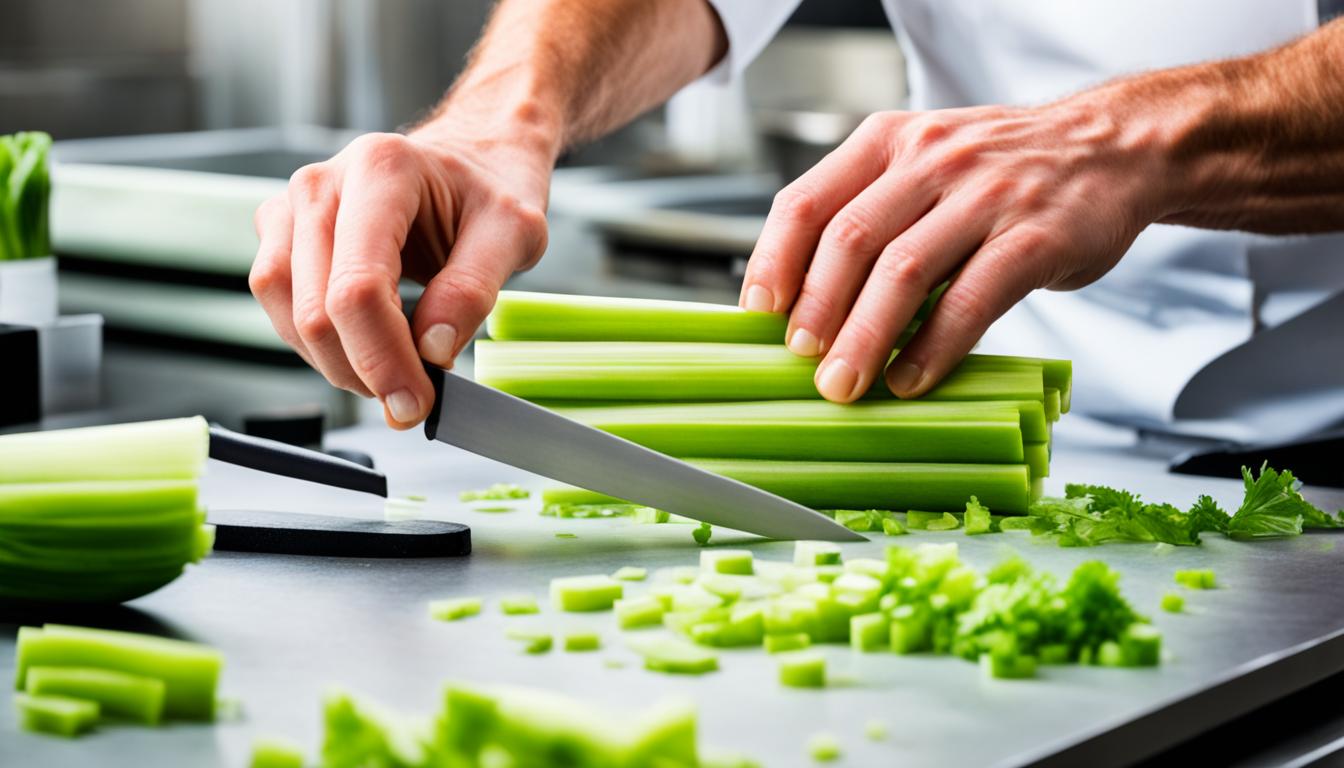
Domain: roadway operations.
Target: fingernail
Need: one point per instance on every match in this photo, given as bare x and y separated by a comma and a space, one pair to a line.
837, 380
759, 299
403, 405
803, 343
436, 345
904, 378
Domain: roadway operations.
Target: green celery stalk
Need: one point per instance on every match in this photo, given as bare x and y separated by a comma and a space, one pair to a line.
1007, 488
1056, 373
913, 431
1037, 457
1052, 404
541, 370
172, 449
137, 697
526, 316
59, 715
189, 671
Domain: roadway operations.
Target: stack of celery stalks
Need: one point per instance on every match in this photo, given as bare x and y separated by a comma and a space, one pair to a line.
715, 385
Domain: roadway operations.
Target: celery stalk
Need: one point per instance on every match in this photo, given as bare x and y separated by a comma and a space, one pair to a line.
189, 671
525, 316
172, 449
693, 371
137, 697
59, 715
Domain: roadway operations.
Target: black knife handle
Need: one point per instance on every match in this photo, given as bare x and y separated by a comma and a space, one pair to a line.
277, 458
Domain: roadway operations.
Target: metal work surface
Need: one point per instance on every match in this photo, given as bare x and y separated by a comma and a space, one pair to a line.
291, 626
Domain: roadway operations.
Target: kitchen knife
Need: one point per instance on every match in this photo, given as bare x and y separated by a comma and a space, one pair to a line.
505, 428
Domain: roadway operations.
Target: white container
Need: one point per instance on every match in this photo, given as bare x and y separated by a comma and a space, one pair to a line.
70, 350
28, 291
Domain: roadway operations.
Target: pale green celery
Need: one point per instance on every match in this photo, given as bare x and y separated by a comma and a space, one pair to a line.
518, 605
1052, 404
875, 730
580, 641
1037, 458
823, 747
136, 697
276, 753
809, 554
79, 505
1007, 488
454, 608
1055, 373
597, 592
535, 641
802, 669
869, 632
1008, 666
673, 655
189, 671
630, 573
521, 315
172, 449
662, 371
732, 561
913, 431
58, 715
637, 612
791, 641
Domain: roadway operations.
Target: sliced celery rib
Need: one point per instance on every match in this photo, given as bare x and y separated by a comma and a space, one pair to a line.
172, 449
650, 371
137, 697
525, 316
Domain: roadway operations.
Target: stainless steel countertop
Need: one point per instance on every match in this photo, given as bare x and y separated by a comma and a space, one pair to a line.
291, 626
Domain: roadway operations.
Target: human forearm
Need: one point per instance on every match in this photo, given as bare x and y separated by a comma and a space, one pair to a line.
549, 74
1255, 143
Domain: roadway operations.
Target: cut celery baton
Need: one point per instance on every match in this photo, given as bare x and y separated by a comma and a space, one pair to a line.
59, 715
137, 697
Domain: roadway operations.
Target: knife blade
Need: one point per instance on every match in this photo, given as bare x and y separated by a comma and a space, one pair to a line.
511, 430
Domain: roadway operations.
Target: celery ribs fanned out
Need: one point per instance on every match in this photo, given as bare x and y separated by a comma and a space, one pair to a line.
101, 514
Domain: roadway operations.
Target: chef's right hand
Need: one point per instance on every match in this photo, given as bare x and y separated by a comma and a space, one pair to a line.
457, 215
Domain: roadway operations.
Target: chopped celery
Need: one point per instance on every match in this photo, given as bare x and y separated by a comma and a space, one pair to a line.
733, 561
793, 641
534, 640
893, 527
1197, 578
919, 520
978, 519
861, 520
517, 605
869, 632
702, 533
802, 669
454, 608
58, 715
172, 449
189, 671
136, 697
1008, 666
812, 553
1110, 654
875, 730
668, 654
636, 612
1173, 603
823, 747
630, 573
276, 753
25, 196
1142, 645
585, 593
496, 492
566, 535
579, 641
650, 516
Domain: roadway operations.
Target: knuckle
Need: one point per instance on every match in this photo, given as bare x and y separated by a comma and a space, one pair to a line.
898, 265
312, 323
795, 204
926, 131
818, 305
309, 183
354, 292
264, 277
971, 307
471, 292
382, 152
853, 231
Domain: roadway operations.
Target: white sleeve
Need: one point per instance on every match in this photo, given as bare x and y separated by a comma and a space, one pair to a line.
750, 25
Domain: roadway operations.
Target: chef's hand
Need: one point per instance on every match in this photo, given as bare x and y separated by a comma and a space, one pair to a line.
457, 215
1003, 201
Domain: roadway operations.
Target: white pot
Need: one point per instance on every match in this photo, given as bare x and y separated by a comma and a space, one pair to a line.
28, 291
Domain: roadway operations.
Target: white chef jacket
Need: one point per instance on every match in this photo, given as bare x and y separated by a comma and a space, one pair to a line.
1218, 333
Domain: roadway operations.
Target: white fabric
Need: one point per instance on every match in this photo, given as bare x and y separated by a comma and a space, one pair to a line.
1182, 298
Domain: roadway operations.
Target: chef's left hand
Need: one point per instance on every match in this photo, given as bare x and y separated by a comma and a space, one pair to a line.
1001, 200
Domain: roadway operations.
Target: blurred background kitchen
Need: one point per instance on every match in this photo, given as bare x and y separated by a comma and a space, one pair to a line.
144, 96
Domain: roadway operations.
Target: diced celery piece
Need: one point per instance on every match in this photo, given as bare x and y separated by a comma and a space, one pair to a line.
671, 655
733, 561
1008, 666
496, 492
630, 573
702, 533
1197, 578
454, 608
276, 753
58, 715
794, 641
516, 605
893, 527
812, 553
828, 573
868, 632
1173, 603
909, 629
802, 669
1053, 653
917, 520
1142, 645
595, 592
1110, 654
875, 730
636, 612
136, 697
744, 625
650, 516
189, 671
533, 640
861, 520
823, 747
578, 641
977, 518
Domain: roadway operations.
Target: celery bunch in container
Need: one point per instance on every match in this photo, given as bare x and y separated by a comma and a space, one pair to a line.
101, 514
25, 191
715, 385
